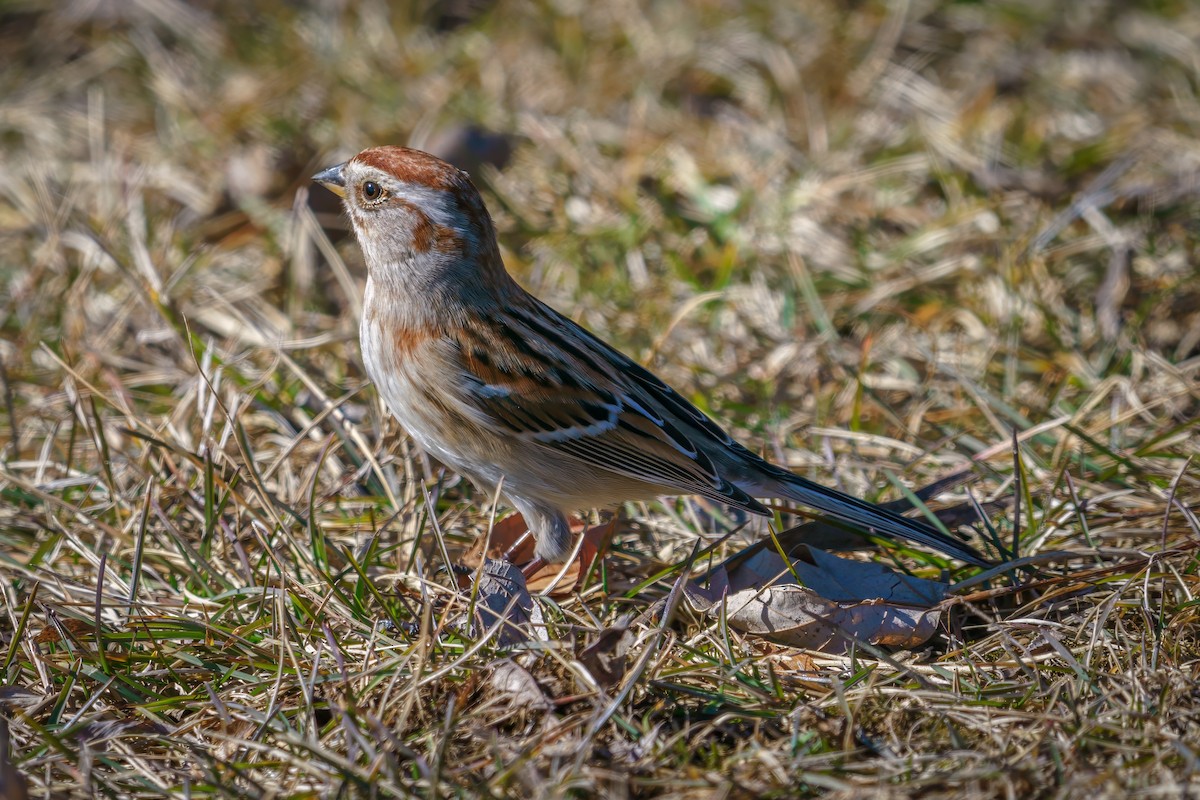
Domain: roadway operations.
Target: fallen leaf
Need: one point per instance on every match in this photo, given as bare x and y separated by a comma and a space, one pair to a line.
889, 624
797, 616
503, 604
518, 684
788, 614
832, 577
797, 663
762, 568
606, 658
844, 580
843, 601
79, 628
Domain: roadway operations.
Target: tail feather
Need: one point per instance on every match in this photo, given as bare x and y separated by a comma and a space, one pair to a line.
872, 518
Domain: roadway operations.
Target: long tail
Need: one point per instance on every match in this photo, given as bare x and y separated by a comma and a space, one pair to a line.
867, 516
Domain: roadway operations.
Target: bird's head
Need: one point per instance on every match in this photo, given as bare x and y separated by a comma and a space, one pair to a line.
420, 222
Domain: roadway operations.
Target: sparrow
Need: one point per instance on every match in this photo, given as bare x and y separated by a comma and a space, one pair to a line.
512, 395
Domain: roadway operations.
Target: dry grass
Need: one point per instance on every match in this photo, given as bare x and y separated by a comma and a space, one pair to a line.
874, 241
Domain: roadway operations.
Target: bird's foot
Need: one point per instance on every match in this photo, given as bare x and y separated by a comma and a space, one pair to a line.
531, 568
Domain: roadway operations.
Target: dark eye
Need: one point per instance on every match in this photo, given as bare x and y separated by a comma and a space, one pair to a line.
372, 190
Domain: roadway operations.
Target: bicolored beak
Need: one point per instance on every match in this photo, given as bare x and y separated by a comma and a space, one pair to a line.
332, 180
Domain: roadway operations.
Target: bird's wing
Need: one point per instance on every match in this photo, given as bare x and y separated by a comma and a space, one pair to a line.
541, 377
535, 375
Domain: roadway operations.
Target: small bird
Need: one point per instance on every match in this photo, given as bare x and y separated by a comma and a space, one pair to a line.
509, 393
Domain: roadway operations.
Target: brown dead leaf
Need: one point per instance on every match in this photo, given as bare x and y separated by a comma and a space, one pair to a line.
832, 577
846, 580
795, 615
510, 540
79, 628
842, 601
605, 658
786, 614
796, 663
518, 685
879, 622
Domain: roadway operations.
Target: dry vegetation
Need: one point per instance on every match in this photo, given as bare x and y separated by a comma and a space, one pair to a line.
876, 240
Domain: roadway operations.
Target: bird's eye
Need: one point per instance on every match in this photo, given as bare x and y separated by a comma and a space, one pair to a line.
372, 191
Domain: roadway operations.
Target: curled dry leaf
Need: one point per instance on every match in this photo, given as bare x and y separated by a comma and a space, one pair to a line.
843, 602
606, 658
510, 540
796, 663
78, 628
503, 604
844, 580
798, 616
518, 685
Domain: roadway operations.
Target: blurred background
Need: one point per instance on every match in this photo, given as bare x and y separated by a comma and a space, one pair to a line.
721, 188
870, 237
